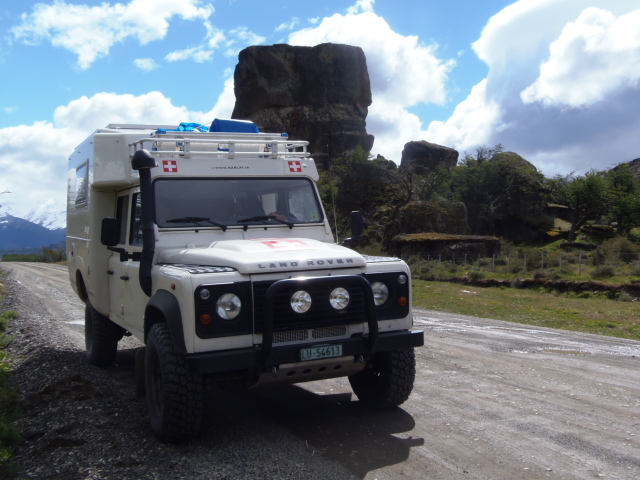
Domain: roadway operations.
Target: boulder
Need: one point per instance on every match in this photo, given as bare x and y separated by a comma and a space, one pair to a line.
422, 157
320, 94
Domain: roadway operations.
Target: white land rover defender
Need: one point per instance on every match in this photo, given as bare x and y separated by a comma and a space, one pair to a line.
213, 249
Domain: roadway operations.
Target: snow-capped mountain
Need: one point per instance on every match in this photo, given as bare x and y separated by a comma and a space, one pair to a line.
42, 226
49, 215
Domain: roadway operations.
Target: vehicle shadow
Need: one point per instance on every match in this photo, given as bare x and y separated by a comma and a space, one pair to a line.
337, 426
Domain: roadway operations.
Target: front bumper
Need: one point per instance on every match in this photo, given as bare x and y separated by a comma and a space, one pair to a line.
255, 359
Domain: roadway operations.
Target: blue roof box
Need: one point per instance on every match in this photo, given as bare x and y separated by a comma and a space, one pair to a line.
233, 126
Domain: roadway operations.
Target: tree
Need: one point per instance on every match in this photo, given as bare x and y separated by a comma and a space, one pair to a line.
497, 188
624, 196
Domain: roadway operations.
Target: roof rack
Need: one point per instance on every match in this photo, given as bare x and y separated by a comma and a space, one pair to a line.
222, 145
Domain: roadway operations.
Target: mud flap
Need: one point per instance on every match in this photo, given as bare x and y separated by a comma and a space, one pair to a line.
140, 389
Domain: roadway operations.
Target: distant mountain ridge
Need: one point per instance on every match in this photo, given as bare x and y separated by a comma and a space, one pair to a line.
42, 226
18, 233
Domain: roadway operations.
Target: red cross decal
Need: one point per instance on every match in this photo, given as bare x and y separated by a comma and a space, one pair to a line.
295, 166
170, 166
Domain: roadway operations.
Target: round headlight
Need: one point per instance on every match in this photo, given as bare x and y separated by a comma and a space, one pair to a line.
300, 301
228, 306
380, 293
339, 298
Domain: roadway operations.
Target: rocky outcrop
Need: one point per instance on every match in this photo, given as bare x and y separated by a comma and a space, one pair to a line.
448, 245
320, 94
422, 157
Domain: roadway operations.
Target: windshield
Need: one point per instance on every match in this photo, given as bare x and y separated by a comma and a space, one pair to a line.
181, 202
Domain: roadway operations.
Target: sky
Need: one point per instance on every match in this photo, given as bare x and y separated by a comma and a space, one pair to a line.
556, 81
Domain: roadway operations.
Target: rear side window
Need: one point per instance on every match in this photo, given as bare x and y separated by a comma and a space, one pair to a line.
82, 183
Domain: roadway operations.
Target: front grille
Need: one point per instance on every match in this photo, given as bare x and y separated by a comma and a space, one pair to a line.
320, 315
328, 332
293, 336
314, 334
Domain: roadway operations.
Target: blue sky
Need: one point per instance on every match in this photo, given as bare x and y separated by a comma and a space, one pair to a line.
556, 81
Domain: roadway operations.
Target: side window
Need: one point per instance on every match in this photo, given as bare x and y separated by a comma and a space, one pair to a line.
136, 221
122, 214
82, 183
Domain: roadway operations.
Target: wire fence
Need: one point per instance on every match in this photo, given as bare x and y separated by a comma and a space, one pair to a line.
576, 263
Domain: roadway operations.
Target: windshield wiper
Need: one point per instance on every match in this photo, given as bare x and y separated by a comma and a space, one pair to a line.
263, 218
197, 221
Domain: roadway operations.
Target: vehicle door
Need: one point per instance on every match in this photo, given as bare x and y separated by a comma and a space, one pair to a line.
127, 300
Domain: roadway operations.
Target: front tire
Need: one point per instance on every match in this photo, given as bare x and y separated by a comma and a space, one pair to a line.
174, 396
387, 379
101, 337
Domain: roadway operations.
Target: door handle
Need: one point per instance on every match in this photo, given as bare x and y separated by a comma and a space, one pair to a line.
125, 277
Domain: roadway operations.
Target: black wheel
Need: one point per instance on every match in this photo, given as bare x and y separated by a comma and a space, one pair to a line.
174, 396
387, 379
101, 337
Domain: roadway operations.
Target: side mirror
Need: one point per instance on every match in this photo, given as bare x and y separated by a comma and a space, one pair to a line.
356, 223
110, 233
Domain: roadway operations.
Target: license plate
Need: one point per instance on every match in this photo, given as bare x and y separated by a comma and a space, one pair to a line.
321, 351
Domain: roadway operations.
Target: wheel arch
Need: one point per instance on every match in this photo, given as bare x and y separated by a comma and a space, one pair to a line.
164, 307
81, 287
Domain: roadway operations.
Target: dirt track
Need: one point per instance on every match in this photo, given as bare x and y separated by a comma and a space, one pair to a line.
493, 400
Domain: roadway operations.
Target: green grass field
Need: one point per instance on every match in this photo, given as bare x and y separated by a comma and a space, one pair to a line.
597, 315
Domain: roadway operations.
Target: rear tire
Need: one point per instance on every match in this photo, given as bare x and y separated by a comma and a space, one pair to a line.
174, 396
101, 337
387, 379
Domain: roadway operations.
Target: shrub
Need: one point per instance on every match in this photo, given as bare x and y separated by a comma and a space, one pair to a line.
604, 271
539, 275
476, 275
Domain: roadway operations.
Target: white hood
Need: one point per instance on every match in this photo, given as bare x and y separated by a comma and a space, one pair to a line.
266, 255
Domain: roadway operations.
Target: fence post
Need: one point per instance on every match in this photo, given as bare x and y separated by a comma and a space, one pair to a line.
440, 258
525, 264
465, 259
494, 262
508, 263
560, 261
617, 260
580, 265
542, 260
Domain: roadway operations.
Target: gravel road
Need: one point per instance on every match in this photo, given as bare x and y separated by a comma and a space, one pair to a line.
493, 400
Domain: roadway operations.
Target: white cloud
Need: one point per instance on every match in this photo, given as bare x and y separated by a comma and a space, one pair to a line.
145, 64
91, 31
198, 54
471, 123
403, 72
288, 25
29, 152
10, 110
593, 56
546, 57
239, 38
41, 150
361, 6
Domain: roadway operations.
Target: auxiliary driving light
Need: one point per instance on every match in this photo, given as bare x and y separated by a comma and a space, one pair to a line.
300, 301
380, 293
339, 298
228, 306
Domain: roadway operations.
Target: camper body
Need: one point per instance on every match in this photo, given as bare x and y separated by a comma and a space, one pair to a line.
213, 249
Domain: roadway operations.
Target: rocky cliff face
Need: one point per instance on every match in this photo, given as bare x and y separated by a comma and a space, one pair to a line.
320, 94
421, 157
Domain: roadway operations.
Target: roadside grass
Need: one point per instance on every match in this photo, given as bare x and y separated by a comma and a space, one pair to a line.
9, 437
596, 315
